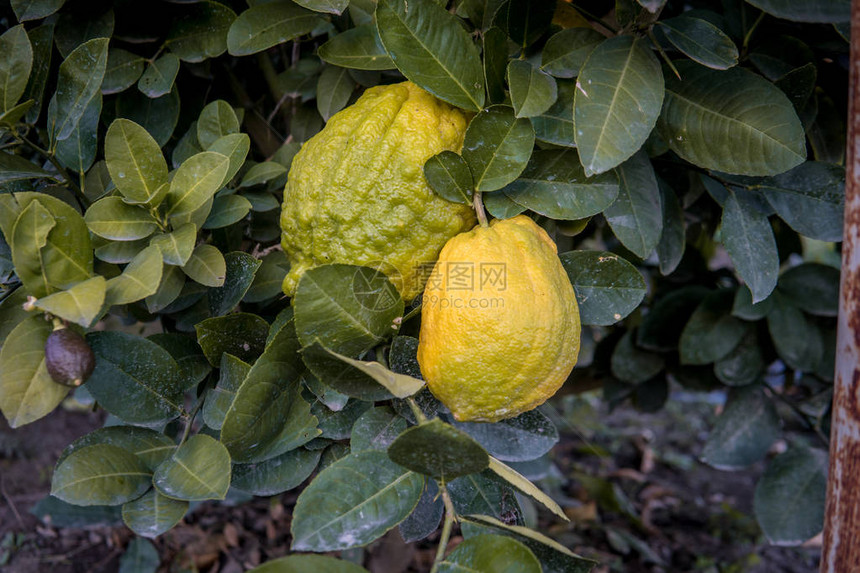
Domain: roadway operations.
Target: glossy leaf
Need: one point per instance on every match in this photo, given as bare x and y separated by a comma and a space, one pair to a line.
376, 429
123, 69
438, 450
236, 147
35, 9
334, 89
308, 564
201, 32
176, 247
532, 90
497, 147
112, 218
216, 120
139, 280
80, 304
153, 514
701, 41
430, 47
78, 151
554, 184
491, 553
195, 182
14, 168
748, 238
744, 431
80, 79
358, 48
517, 480
425, 519
15, 67
135, 162
399, 385
169, 289
618, 98
198, 470
607, 287
712, 332
673, 238
268, 24
159, 76
27, 391
525, 437
240, 334
29, 236
790, 497
555, 125
812, 287
340, 376
827, 11
525, 20
353, 502
276, 475
797, 340
485, 494
206, 266
240, 270
449, 176
495, 60
150, 446
713, 119
566, 51
261, 173
100, 474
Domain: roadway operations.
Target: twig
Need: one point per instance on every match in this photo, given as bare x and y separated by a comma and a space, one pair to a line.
663, 53
450, 517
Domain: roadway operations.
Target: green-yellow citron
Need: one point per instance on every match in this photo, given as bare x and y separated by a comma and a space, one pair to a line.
356, 191
499, 324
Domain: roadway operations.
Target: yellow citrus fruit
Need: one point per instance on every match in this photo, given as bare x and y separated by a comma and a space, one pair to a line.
356, 191
499, 322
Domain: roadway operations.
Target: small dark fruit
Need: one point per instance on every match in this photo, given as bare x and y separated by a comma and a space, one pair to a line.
68, 357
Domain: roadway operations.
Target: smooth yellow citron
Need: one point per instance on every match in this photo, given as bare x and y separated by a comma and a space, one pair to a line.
356, 191
499, 323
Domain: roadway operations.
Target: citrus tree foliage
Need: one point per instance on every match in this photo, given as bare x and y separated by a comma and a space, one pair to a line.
687, 157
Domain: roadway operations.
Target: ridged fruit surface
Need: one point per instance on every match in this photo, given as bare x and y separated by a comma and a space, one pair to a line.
500, 324
356, 191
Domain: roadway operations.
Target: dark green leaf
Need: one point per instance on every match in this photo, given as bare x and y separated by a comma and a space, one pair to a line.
744, 432
353, 502
35, 9
495, 61
607, 287
241, 268
123, 69
432, 49
158, 78
242, 335
485, 494
326, 6
268, 278
526, 20
497, 147
670, 248
636, 216
828, 11
425, 519
714, 119
812, 287
661, 328
744, 364
158, 116
449, 176
261, 173
334, 89
525, 437
748, 238
499, 206
712, 332
198, 470
438, 450
268, 24
399, 385
15, 67
218, 400
101, 474
566, 51
532, 90
798, 341
15, 168
309, 564
337, 425
150, 446
201, 32
341, 376
358, 48
618, 98
744, 308
42, 40
488, 552
80, 79
78, 151
376, 429
140, 557
701, 41
790, 496
276, 475
76, 27
216, 120
634, 365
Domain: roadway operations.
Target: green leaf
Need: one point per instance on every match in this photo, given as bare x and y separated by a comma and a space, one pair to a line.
554, 184
276, 475
438, 450
29, 237
62, 514
523, 438
101, 474
169, 289
216, 121
218, 400
555, 125
78, 152
517, 480
42, 41
499, 206
532, 90
201, 32
376, 429
134, 379
16, 113
184, 349
123, 69
15, 67
206, 266
636, 216
711, 332
358, 48
344, 378
268, 279
798, 341
12, 312
714, 119
812, 287
15, 168
353, 502
158, 116
346, 308
240, 334
76, 27
486, 494
825, 11
334, 89
153, 514
27, 391
497, 147
566, 51
744, 364
748, 238
119, 252
176, 247
425, 519
810, 198
634, 365
139, 279
399, 385
112, 218
198, 470
268, 24
80, 304
262, 172
490, 553
495, 57
607, 287
80, 79
158, 78
240, 270
619, 94
673, 238
150, 446
449, 176
135, 162
701, 41
337, 425
195, 182
308, 564
327, 6
236, 147
431, 48
140, 557
790, 497
35, 9
744, 432
525, 20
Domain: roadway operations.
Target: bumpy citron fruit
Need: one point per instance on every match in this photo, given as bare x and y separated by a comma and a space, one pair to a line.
356, 191
499, 324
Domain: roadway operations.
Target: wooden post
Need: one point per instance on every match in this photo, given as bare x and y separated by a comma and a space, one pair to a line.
841, 550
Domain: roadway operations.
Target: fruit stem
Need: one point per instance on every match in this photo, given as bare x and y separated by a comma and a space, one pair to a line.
450, 517
416, 411
479, 208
